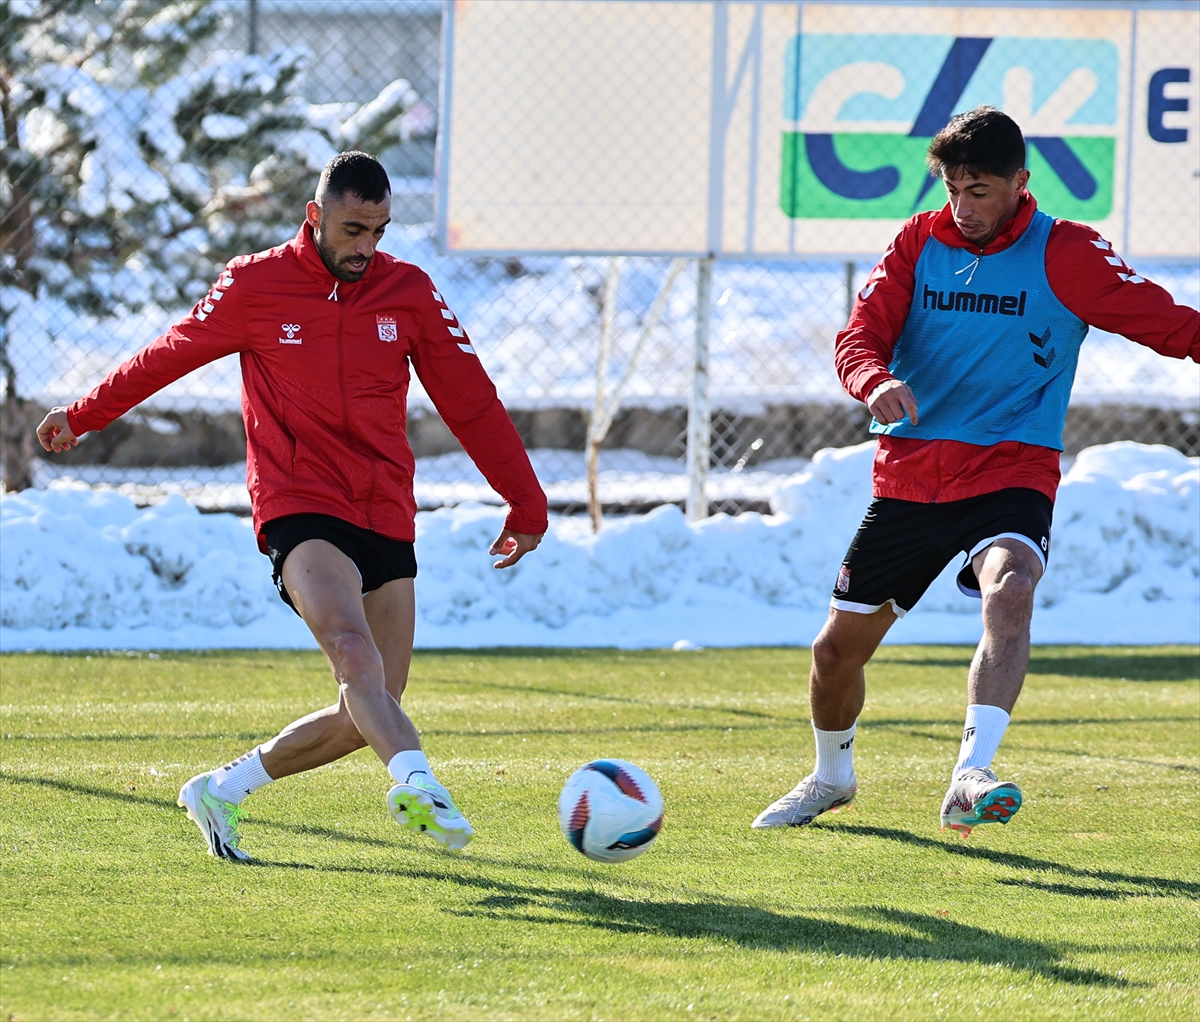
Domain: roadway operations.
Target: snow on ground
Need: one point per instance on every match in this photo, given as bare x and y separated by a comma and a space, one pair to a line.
88, 569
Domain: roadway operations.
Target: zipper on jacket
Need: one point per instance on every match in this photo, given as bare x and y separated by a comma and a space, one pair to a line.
342, 375
341, 349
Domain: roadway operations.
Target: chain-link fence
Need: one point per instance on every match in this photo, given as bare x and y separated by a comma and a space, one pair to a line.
148, 142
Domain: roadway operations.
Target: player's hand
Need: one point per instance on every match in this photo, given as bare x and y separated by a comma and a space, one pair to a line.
55, 434
514, 545
891, 401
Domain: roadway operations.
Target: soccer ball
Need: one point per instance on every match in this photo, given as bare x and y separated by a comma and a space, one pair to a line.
610, 810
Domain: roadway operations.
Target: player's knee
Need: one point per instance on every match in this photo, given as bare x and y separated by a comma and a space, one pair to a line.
832, 655
356, 661
1010, 597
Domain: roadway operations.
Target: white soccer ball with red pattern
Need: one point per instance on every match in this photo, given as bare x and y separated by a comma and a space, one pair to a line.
610, 810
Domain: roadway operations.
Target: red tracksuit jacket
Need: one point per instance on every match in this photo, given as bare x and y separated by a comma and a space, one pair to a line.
325, 372
1086, 275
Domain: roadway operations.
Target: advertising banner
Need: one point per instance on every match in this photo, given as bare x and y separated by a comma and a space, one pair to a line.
777, 130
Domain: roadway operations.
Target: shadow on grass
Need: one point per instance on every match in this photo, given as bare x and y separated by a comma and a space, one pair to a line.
960, 663
1120, 666
1112, 667
1152, 886
1190, 768
168, 805
883, 933
896, 934
870, 722
1099, 893
606, 698
617, 729
911, 726
915, 728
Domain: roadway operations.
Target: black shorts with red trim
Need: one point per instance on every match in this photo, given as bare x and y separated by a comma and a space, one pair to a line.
903, 545
379, 559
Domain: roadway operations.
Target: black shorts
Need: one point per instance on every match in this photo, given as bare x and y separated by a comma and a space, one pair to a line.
903, 545
378, 559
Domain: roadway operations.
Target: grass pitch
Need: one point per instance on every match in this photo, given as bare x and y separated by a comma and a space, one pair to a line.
1085, 906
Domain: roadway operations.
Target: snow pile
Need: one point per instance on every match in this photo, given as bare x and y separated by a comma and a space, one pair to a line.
87, 569
76, 560
627, 477
1127, 521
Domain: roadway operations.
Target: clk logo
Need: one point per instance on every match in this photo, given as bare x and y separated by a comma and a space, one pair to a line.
386, 325
860, 109
290, 329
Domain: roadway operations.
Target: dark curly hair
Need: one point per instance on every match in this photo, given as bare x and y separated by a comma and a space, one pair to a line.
981, 141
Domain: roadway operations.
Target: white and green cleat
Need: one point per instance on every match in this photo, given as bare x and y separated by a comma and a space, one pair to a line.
425, 807
216, 818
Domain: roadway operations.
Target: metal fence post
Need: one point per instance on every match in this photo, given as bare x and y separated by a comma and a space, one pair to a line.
253, 13
597, 427
699, 413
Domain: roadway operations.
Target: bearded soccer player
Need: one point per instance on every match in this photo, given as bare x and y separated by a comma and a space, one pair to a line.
326, 327
963, 344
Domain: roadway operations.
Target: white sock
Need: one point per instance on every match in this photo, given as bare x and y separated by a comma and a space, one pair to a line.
835, 756
234, 781
408, 762
982, 732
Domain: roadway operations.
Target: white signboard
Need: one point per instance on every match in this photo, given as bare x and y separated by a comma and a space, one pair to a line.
782, 130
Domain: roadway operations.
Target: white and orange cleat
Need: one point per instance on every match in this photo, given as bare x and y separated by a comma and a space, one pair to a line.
976, 797
804, 803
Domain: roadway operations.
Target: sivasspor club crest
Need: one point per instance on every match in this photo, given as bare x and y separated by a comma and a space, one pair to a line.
387, 328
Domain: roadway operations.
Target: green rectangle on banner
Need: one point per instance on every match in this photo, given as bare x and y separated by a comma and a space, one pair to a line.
870, 162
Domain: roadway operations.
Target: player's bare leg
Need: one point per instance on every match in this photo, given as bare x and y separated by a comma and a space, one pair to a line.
837, 690
325, 587
330, 733
837, 684
1008, 572
368, 643
327, 591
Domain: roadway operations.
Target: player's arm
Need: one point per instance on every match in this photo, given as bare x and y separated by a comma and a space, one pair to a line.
466, 399
1096, 284
863, 350
210, 331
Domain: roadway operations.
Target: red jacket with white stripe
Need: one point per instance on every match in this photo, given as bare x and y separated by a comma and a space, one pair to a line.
1086, 275
325, 373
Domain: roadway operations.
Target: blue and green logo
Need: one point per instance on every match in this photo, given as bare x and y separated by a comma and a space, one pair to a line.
859, 112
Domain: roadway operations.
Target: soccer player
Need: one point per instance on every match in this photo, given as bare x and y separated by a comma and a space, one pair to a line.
326, 327
963, 344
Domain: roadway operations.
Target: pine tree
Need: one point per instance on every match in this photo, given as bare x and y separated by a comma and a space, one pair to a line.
137, 160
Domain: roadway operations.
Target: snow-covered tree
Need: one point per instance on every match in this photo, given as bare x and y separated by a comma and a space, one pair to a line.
138, 157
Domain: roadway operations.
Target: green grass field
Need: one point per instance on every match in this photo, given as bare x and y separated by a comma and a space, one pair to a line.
1084, 907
